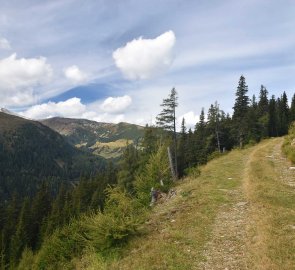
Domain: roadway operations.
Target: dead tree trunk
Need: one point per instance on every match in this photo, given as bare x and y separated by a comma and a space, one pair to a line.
171, 163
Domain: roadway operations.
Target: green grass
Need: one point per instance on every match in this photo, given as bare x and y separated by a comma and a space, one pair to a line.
273, 204
177, 231
289, 144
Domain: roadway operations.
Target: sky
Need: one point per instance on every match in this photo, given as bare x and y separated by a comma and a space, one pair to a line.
113, 61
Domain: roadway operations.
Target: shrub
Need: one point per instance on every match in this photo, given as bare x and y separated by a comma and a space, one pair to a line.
27, 260
156, 169
120, 220
289, 145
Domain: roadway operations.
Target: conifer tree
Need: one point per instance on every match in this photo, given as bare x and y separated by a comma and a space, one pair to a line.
283, 114
21, 238
263, 101
292, 109
40, 209
55, 218
272, 121
190, 150
263, 113
182, 148
149, 140
167, 120
200, 140
241, 107
213, 126
129, 164
253, 102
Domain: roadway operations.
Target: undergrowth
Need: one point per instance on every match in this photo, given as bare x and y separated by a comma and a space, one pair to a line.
289, 144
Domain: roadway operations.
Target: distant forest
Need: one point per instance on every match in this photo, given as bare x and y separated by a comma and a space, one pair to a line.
26, 222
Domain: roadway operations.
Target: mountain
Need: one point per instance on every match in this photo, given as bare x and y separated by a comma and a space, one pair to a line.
31, 152
104, 139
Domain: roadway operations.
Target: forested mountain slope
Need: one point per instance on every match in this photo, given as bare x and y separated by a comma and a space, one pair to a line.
30, 152
104, 139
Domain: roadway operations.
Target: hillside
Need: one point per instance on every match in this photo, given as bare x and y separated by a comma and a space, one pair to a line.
239, 214
104, 139
31, 152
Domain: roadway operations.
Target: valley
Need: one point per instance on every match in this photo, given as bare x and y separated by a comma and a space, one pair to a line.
103, 139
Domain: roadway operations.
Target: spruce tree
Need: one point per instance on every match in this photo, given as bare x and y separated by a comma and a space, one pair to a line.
283, 114
128, 166
200, 140
149, 140
241, 107
182, 148
263, 101
213, 127
272, 120
167, 120
40, 209
190, 149
21, 238
292, 109
263, 113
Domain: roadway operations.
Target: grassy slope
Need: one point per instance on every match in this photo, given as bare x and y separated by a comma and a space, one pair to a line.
272, 242
178, 230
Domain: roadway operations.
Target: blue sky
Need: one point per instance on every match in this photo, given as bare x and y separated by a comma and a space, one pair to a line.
115, 61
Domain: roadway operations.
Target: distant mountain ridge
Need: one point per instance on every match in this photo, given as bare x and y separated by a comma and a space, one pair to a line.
104, 139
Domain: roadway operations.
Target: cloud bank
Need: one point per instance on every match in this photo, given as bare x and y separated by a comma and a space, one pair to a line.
144, 58
110, 110
18, 77
69, 108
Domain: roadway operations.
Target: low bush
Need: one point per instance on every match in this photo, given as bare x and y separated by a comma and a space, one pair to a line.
289, 144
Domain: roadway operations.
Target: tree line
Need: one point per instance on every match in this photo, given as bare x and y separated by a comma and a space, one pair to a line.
253, 119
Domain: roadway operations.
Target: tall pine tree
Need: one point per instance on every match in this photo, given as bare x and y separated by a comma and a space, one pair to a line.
167, 120
292, 109
241, 107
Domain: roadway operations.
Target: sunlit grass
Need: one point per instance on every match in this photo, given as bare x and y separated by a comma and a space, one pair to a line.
177, 230
273, 203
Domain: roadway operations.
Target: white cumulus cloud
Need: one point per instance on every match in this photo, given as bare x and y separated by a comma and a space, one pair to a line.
116, 104
4, 44
142, 58
74, 74
18, 78
69, 108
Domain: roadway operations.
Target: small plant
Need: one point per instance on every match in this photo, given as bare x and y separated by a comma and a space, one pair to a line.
288, 145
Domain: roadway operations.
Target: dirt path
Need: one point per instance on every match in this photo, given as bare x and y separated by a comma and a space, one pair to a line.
228, 248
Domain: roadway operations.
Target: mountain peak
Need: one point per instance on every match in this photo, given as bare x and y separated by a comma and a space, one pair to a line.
4, 110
